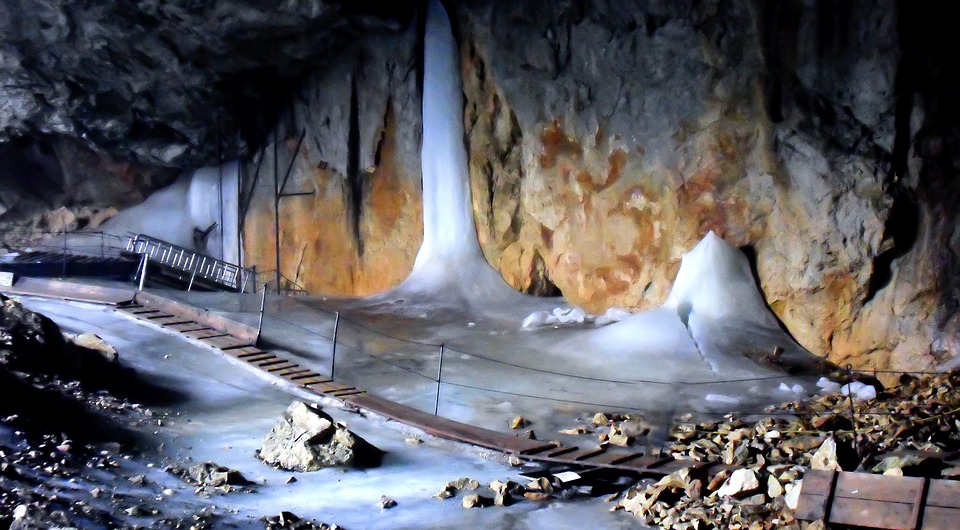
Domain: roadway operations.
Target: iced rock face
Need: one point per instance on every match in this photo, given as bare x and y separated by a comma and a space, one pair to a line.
359, 226
307, 439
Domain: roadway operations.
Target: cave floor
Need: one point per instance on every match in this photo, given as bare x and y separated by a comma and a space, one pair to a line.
494, 371
216, 410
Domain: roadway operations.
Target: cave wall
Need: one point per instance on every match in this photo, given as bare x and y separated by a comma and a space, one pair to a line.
358, 227
605, 138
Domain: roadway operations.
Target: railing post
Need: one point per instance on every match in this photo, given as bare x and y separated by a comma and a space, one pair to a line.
436, 405
63, 260
193, 276
333, 353
853, 410
263, 302
143, 272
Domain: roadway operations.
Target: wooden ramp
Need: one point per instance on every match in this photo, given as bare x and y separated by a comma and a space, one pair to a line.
64, 290
877, 501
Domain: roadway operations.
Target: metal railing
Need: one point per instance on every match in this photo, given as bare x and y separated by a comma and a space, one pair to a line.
197, 265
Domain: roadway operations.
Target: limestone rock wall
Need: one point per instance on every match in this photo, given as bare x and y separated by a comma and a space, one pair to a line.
358, 227
607, 137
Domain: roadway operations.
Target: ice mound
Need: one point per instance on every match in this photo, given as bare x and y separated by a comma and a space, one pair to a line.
827, 386
715, 281
571, 317
860, 391
795, 389
193, 201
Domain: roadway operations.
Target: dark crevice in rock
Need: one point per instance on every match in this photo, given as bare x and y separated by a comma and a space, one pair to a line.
541, 285
899, 236
354, 175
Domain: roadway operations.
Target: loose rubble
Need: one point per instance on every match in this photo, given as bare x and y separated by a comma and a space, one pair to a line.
307, 439
58, 465
895, 433
290, 521
210, 478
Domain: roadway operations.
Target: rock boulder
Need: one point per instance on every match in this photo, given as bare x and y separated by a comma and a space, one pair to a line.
307, 439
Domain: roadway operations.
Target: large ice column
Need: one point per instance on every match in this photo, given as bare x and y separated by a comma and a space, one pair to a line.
449, 232
196, 200
450, 265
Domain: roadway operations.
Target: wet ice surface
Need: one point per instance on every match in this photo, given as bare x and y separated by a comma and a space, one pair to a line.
225, 409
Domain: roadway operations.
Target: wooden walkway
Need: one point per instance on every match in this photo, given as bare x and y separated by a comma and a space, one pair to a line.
877, 501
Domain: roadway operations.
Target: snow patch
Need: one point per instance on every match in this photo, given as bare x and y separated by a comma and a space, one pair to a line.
860, 391
721, 398
572, 317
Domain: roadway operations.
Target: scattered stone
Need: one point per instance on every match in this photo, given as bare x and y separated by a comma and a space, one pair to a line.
574, 431
518, 423
464, 483
826, 456
290, 521
209, 474
307, 439
742, 480
414, 440
447, 492
386, 502
476, 501
291, 480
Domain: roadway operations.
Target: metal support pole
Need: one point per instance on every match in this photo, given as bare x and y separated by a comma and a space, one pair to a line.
333, 353
63, 259
263, 303
276, 207
193, 276
436, 405
143, 272
853, 410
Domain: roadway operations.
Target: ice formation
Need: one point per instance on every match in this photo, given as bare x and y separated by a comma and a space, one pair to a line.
195, 200
571, 317
715, 282
449, 265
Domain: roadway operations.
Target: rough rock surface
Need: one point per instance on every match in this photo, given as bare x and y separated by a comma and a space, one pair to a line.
307, 439
356, 225
171, 83
606, 138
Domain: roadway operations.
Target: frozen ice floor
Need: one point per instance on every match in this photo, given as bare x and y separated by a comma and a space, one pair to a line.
223, 410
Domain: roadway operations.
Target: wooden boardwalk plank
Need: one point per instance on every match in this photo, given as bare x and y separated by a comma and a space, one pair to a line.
226, 341
290, 373
259, 357
171, 321
204, 333
187, 326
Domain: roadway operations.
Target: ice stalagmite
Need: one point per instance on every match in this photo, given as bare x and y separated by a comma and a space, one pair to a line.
449, 264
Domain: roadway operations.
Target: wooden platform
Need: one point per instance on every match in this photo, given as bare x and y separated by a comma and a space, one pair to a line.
877, 501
